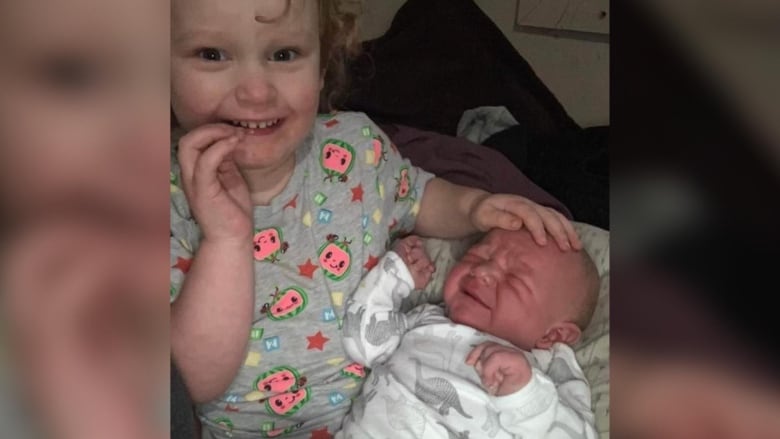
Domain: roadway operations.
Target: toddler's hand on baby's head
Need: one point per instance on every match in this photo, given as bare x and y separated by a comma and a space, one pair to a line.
215, 189
513, 212
412, 252
503, 370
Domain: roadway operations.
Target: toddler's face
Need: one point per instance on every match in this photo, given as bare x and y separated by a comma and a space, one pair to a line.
83, 108
508, 286
261, 74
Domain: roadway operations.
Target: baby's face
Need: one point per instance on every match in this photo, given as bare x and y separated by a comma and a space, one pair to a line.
262, 75
83, 107
508, 286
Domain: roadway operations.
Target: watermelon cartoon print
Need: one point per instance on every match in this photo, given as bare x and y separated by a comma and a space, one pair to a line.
404, 190
380, 151
286, 303
286, 404
225, 423
276, 432
355, 371
335, 257
269, 244
279, 379
336, 159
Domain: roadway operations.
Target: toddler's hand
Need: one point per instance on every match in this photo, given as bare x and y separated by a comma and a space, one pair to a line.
215, 189
412, 252
503, 370
512, 212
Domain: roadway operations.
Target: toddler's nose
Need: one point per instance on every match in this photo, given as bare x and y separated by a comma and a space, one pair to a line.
255, 90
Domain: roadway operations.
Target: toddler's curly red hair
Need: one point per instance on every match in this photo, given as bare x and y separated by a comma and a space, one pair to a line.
339, 42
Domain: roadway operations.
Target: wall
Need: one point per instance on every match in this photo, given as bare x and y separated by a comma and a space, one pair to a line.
577, 72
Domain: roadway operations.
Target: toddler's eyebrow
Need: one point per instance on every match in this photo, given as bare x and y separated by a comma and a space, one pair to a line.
199, 33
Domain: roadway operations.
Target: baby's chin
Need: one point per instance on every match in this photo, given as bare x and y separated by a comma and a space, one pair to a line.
463, 317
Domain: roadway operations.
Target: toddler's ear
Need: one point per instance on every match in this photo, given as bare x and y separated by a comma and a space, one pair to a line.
564, 332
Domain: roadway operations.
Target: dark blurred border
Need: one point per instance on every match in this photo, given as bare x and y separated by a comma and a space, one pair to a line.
672, 126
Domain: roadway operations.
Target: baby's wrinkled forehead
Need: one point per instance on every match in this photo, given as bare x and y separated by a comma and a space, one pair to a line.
499, 238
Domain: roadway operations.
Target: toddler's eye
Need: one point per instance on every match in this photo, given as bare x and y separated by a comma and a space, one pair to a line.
211, 54
284, 55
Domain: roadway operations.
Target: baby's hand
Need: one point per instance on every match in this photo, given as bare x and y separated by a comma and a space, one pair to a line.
503, 370
412, 252
512, 212
215, 189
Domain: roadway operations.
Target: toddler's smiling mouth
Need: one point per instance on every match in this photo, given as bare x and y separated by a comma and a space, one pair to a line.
255, 124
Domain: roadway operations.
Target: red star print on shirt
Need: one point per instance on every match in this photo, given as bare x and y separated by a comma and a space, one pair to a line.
183, 264
292, 203
331, 123
357, 193
371, 262
317, 341
321, 433
307, 269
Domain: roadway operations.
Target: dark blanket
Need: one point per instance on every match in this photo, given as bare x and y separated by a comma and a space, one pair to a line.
575, 170
462, 162
442, 57
183, 423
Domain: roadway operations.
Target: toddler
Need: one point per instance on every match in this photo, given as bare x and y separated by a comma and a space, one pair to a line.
277, 212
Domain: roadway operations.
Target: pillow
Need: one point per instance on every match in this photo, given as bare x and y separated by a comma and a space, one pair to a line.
593, 349
442, 57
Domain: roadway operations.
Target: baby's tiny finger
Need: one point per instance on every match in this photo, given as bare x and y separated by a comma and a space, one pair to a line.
475, 353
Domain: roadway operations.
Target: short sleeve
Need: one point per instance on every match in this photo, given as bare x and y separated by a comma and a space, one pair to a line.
400, 184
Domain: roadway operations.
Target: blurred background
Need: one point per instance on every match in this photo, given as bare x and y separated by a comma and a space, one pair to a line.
692, 101
694, 211
84, 183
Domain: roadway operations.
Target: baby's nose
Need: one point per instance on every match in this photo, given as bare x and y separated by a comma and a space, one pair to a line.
484, 274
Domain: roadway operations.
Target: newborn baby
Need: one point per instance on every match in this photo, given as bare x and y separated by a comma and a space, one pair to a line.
495, 361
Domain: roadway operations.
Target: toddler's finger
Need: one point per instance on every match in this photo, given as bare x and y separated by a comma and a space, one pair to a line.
574, 237
210, 160
192, 145
535, 226
508, 221
554, 226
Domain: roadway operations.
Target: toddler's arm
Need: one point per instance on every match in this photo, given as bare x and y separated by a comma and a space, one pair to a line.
211, 320
451, 211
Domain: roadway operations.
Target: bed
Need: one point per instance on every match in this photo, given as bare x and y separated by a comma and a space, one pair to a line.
443, 58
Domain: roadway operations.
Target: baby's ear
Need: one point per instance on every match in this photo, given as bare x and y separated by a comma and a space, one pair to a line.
564, 332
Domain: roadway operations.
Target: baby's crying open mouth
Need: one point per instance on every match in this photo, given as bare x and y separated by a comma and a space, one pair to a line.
475, 298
